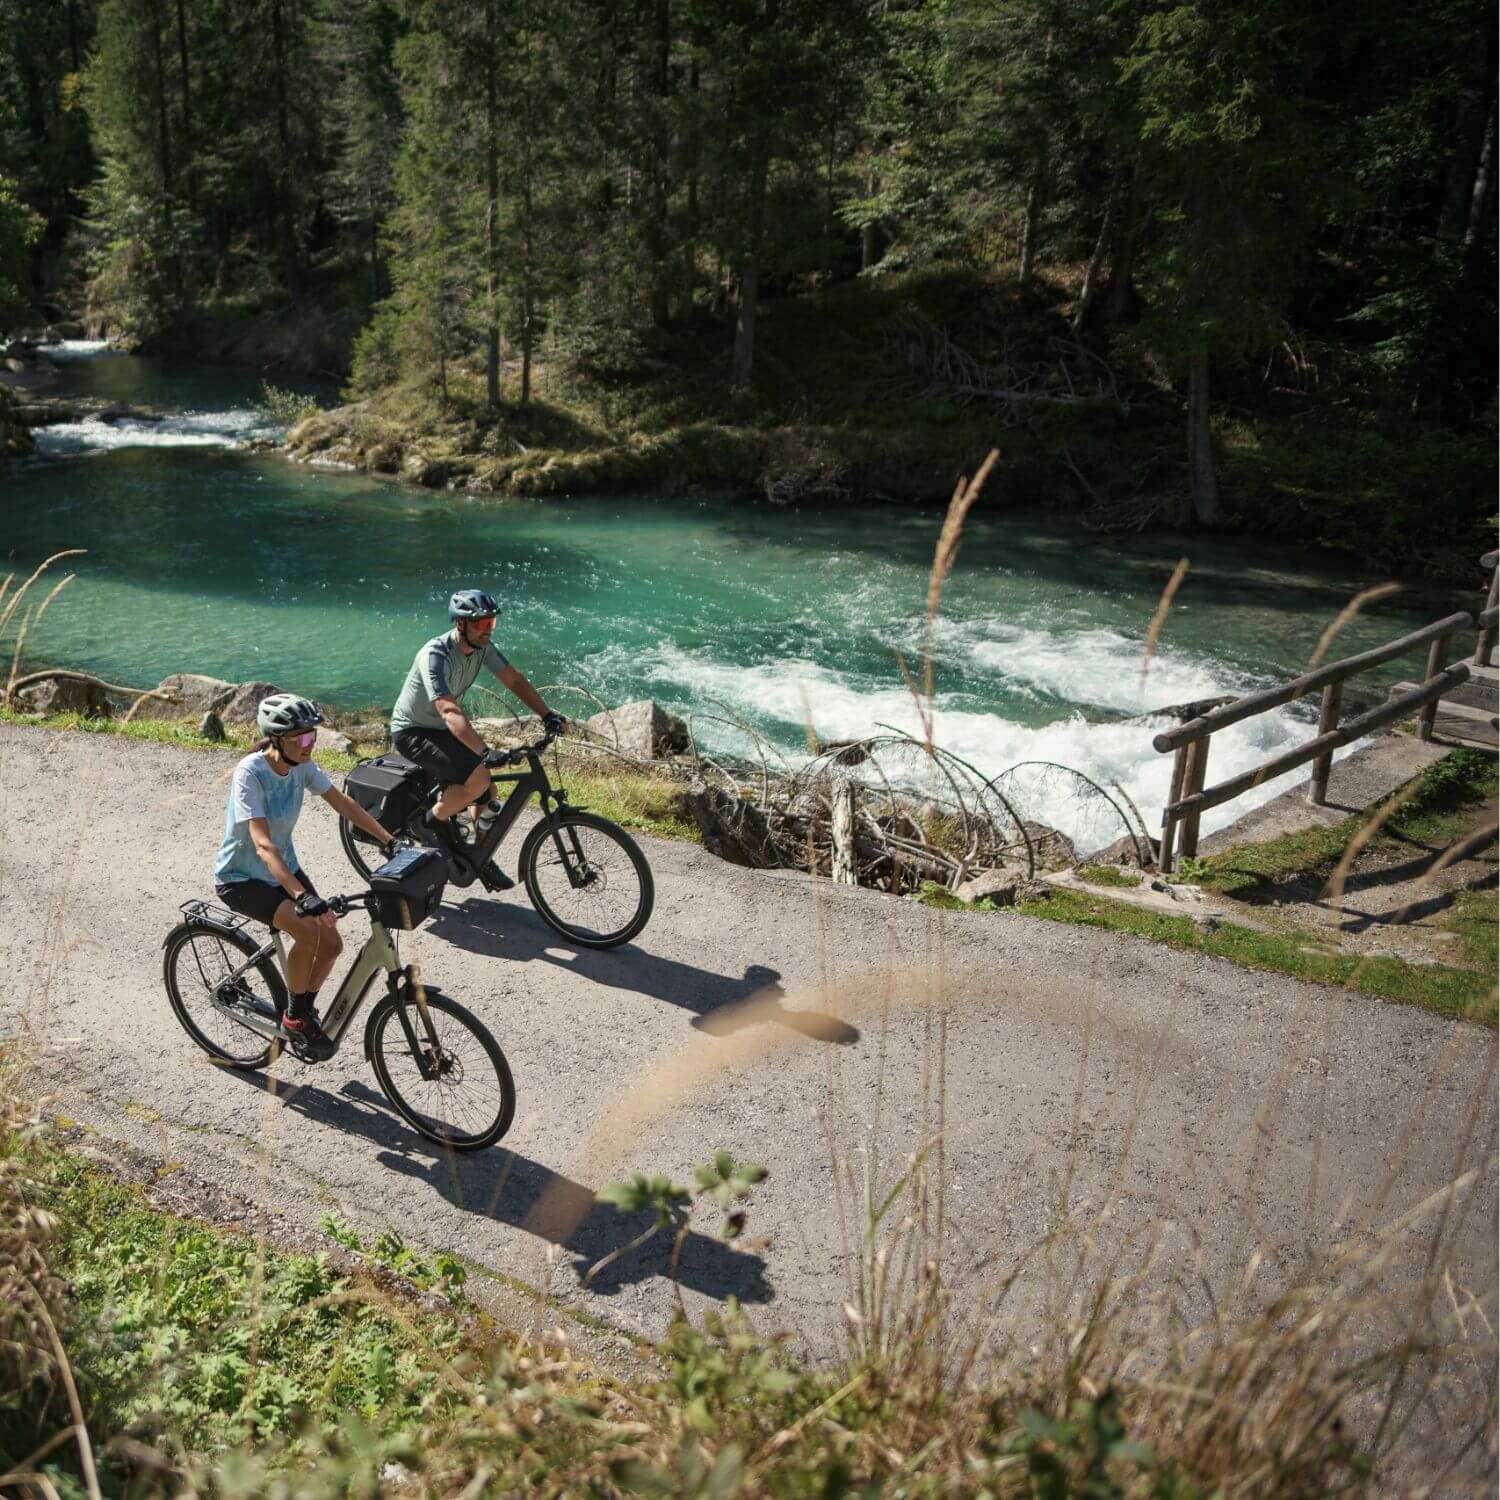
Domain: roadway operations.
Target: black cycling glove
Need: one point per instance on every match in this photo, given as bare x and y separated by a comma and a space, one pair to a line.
553, 724
309, 905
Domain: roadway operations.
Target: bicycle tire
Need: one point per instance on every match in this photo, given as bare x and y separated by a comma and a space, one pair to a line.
488, 1130
546, 835
186, 935
355, 846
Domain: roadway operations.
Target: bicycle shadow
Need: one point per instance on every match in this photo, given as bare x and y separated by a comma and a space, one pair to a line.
717, 1000
503, 1186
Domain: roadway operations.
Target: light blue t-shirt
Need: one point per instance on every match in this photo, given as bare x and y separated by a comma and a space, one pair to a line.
442, 670
258, 792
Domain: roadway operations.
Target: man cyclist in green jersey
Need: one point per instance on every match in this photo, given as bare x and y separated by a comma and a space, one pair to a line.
429, 725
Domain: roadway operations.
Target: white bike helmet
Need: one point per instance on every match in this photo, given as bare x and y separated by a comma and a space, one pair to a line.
286, 713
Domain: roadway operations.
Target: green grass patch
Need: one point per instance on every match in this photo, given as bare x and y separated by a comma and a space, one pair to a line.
1451, 991
224, 1338
182, 733
1433, 813
1108, 875
647, 804
1473, 918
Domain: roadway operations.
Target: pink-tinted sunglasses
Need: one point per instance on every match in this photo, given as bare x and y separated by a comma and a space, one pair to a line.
307, 740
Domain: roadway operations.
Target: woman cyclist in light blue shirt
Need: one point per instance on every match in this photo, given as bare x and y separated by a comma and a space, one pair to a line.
257, 872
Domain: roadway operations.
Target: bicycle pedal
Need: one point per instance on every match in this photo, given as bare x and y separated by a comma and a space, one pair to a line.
493, 878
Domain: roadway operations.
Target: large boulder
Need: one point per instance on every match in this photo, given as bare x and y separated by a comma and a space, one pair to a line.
643, 729
999, 887
189, 695
64, 695
240, 706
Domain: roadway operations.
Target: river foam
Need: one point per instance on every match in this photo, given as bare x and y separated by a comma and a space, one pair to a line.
781, 698
218, 429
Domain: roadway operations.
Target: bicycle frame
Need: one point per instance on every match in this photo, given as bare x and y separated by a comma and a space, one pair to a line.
532, 780
378, 955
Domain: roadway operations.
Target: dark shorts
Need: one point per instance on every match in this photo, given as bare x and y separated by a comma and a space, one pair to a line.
439, 751
258, 899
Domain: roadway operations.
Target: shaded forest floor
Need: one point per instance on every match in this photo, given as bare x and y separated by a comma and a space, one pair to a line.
890, 388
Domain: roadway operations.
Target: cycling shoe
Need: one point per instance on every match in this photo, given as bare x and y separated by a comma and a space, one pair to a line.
308, 1039
493, 878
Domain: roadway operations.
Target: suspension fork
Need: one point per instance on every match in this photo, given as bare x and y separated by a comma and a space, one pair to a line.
410, 985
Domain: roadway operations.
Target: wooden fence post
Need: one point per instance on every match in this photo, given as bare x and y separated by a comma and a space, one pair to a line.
1197, 768
1437, 659
1328, 718
1485, 649
1168, 821
845, 860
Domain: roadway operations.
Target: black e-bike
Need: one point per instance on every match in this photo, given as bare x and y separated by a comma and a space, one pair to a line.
586, 877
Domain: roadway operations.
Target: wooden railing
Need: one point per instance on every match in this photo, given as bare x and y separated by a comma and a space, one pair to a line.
1189, 799
1484, 652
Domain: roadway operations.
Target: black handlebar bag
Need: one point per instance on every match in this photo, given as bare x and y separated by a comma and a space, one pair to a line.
408, 887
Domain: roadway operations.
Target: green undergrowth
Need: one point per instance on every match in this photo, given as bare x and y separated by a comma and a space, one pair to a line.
1451, 991
217, 1337
212, 1363
1434, 812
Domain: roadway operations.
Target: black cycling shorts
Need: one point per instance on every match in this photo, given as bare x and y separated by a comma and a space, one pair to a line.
258, 899
439, 751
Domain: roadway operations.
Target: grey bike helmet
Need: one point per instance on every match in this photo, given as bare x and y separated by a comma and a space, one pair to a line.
472, 604
286, 713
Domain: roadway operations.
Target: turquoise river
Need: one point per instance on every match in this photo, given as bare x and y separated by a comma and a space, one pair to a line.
204, 557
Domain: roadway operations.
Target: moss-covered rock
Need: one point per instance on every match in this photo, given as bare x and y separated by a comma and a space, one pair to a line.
15, 436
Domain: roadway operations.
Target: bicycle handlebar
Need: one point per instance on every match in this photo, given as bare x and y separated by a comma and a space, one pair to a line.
497, 758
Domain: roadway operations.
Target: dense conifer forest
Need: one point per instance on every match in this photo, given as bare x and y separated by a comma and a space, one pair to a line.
1218, 261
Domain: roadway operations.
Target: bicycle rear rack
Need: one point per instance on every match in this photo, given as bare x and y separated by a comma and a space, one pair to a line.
219, 916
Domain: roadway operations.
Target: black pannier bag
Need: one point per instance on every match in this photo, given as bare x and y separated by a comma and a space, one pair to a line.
390, 788
408, 887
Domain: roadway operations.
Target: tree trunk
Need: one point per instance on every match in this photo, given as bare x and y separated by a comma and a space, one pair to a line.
1201, 476
660, 142
289, 251
527, 125
492, 207
744, 329
1484, 187
159, 100
688, 273
1096, 260
1122, 260
187, 107
1475, 106
1035, 203
867, 246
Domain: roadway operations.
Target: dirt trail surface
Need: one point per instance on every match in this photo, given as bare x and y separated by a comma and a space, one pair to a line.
1082, 1072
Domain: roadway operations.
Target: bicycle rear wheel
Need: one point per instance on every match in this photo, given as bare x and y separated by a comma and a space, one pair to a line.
458, 1093
196, 966
587, 879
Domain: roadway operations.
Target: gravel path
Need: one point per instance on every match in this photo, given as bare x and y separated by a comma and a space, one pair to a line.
1079, 1072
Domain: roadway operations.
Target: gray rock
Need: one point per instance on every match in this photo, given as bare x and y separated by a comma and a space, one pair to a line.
1125, 851
189, 695
210, 727
643, 729
334, 739
64, 695
376, 732
240, 706
999, 887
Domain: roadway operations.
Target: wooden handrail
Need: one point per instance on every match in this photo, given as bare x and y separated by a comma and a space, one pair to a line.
1324, 744
1257, 703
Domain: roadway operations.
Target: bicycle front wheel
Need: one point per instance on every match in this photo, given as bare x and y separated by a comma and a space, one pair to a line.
196, 965
453, 1086
587, 879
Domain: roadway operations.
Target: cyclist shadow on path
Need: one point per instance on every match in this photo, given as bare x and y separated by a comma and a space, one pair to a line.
715, 998
509, 1188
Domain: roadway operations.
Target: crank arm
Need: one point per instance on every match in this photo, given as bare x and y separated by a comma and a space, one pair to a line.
261, 1025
